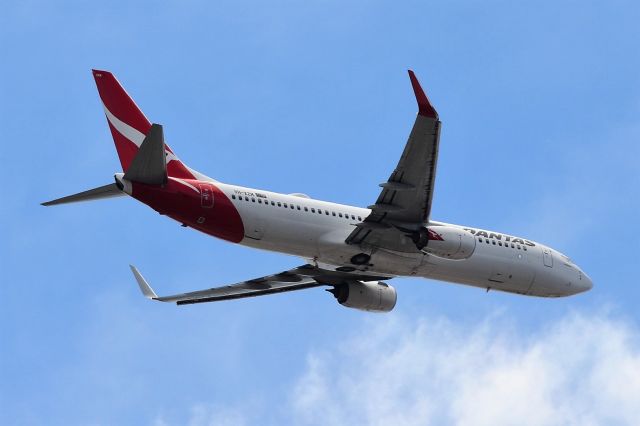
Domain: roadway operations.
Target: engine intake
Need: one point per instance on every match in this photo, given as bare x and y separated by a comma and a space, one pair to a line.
370, 296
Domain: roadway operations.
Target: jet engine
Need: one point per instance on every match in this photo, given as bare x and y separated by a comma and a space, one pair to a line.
371, 296
447, 242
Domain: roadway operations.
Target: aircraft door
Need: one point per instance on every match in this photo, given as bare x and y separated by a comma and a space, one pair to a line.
547, 257
206, 195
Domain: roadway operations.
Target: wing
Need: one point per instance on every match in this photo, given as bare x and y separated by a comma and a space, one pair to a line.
404, 204
306, 276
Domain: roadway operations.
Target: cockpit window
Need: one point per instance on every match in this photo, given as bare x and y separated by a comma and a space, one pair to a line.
566, 261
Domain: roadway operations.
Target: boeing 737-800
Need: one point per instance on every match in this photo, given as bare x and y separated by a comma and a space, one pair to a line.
351, 250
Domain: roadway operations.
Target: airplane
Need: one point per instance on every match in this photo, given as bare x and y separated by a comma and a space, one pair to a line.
351, 251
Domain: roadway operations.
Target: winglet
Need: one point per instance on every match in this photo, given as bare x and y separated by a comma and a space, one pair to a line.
424, 106
145, 288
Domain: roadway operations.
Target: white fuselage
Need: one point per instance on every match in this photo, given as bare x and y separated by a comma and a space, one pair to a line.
316, 231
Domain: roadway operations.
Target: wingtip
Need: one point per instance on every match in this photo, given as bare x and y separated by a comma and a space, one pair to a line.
424, 106
145, 288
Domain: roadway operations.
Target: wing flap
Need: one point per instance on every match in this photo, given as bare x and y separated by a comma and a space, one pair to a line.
238, 295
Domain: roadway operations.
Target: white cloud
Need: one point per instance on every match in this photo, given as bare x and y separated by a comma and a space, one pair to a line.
582, 370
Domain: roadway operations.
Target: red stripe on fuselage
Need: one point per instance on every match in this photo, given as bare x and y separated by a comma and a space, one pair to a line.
186, 205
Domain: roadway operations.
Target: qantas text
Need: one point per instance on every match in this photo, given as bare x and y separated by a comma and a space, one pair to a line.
500, 237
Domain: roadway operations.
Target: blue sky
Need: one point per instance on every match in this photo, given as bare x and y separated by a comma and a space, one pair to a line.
539, 102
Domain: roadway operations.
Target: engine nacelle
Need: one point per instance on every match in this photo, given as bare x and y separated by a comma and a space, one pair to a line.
371, 296
445, 241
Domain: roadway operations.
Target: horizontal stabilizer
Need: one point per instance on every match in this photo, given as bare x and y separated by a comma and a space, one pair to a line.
149, 164
106, 191
145, 288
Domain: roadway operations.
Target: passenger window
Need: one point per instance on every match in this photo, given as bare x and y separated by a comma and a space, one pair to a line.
518, 247
513, 245
493, 242
319, 211
340, 214
285, 205
253, 200
333, 213
486, 241
353, 217
306, 209
233, 196
480, 239
313, 210
524, 248
292, 206
298, 207
326, 212
273, 203
259, 201
499, 243
359, 218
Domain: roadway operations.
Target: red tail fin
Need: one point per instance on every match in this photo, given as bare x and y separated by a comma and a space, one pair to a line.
129, 125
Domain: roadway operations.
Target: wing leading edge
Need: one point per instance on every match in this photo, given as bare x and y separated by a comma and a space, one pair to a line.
404, 204
302, 277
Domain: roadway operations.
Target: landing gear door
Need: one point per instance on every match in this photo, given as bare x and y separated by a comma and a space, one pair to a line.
547, 257
499, 275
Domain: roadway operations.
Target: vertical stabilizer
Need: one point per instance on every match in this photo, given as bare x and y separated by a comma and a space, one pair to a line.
129, 125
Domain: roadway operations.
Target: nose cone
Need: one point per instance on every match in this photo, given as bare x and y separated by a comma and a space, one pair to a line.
583, 283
